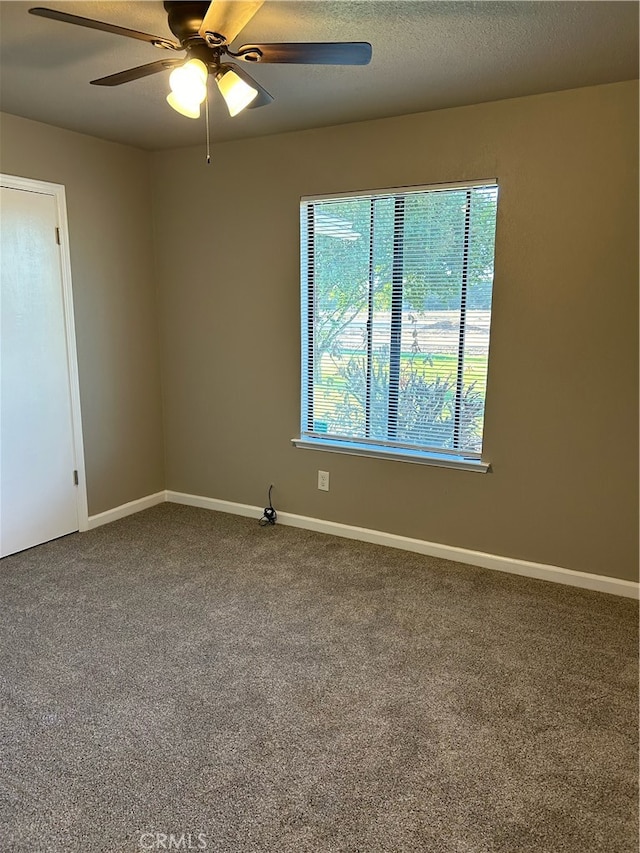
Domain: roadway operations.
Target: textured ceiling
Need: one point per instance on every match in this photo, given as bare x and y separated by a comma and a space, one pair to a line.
426, 55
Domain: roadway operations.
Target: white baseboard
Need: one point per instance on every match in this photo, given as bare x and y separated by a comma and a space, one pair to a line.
555, 574
215, 504
126, 509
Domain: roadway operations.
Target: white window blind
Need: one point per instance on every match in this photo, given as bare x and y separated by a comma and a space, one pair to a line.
396, 307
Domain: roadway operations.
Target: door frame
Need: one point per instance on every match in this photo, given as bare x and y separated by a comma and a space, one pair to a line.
58, 193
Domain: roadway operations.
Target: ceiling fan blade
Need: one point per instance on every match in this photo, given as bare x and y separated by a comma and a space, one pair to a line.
312, 53
157, 41
225, 18
138, 72
263, 98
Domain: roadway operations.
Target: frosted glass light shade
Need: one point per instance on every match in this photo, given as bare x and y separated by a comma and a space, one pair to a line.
188, 88
190, 109
236, 93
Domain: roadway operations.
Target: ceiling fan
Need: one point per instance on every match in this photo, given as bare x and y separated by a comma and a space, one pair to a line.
205, 31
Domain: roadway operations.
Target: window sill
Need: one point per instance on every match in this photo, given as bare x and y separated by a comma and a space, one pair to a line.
440, 460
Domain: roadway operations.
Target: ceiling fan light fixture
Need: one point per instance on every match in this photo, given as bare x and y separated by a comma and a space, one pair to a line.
208, 34
237, 93
188, 88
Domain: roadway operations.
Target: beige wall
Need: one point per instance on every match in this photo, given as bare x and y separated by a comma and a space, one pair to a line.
561, 421
108, 204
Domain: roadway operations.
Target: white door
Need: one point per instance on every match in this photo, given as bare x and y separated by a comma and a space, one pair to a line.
38, 494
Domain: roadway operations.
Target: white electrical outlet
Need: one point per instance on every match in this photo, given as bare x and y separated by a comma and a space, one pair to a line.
323, 481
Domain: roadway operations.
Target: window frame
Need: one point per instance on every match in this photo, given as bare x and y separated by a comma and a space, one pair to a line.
374, 448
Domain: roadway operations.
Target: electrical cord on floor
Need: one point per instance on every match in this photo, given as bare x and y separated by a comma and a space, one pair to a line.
270, 516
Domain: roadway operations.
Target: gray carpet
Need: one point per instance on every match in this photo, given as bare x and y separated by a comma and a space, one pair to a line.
186, 672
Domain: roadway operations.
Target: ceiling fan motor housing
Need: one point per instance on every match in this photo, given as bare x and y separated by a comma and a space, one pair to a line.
185, 18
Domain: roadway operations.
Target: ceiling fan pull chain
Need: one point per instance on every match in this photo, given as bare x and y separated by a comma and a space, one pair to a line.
206, 118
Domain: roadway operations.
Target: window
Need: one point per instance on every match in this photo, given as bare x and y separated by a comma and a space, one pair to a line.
396, 308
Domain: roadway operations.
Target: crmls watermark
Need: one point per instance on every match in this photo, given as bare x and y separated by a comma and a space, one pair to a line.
172, 841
